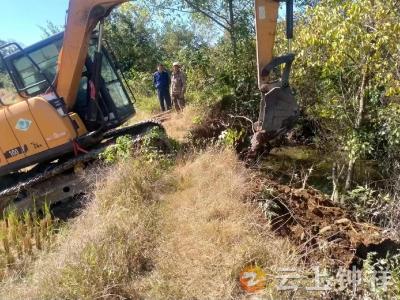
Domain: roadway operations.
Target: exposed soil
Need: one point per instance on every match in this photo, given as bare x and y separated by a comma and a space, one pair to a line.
324, 232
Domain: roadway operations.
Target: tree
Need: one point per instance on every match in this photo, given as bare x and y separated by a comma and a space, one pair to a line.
348, 75
50, 29
5, 81
2, 69
233, 17
129, 34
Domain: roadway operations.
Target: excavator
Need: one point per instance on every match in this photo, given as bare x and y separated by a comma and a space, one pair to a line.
74, 101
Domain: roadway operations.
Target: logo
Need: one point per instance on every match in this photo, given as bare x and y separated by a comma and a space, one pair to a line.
23, 124
253, 279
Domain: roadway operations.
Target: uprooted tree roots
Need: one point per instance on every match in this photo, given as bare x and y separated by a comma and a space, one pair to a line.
324, 232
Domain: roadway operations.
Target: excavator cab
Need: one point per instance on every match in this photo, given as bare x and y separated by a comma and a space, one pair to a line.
33, 71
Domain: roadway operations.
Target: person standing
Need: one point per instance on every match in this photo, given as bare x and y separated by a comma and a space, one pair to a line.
178, 87
161, 81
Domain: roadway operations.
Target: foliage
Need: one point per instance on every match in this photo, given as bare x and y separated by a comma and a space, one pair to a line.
232, 17
347, 76
232, 137
370, 205
376, 267
130, 37
121, 150
157, 146
50, 29
5, 81
149, 105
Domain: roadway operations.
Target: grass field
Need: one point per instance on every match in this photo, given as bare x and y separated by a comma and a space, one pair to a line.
154, 233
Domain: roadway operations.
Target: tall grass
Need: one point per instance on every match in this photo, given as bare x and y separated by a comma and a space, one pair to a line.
209, 233
154, 234
105, 248
146, 107
22, 237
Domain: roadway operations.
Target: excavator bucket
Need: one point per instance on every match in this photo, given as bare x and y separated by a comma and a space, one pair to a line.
279, 110
278, 113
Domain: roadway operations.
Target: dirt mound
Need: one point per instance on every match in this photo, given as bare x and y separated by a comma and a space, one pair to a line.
324, 232
213, 123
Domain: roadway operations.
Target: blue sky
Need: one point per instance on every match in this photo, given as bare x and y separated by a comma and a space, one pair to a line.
20, 19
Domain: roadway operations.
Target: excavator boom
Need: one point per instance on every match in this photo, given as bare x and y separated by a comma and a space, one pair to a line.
266, 12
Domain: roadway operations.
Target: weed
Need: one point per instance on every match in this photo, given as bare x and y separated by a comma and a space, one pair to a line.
127, 244
232, 137
121, 150
368, 204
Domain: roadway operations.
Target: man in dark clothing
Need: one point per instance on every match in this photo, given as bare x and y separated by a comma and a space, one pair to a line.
161, 81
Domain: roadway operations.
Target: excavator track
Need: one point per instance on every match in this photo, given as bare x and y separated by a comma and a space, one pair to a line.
21, 195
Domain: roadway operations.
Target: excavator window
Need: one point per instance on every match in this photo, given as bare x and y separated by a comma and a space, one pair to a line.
46, 59
114, 87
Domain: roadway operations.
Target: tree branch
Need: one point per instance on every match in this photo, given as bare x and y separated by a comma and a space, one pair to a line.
209, 15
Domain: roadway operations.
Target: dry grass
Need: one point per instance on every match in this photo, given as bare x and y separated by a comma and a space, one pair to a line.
209, 233
149, 234
179, 124
105, 248
22, 237
146, 107
176, 124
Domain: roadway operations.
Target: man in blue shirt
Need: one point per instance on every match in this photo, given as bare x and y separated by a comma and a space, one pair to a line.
161, 81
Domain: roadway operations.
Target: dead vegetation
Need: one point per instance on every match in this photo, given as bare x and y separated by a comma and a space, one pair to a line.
325, 233
22, 237
179, 124
101, 251
152, 235
208, 233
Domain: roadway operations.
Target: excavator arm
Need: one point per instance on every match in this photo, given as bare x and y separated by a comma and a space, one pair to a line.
278, 108
83, 16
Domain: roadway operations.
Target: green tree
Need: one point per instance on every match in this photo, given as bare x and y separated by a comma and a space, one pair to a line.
50, 29
347, 74
230, 16
130, 35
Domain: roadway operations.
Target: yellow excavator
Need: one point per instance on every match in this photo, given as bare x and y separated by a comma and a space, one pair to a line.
75, 101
